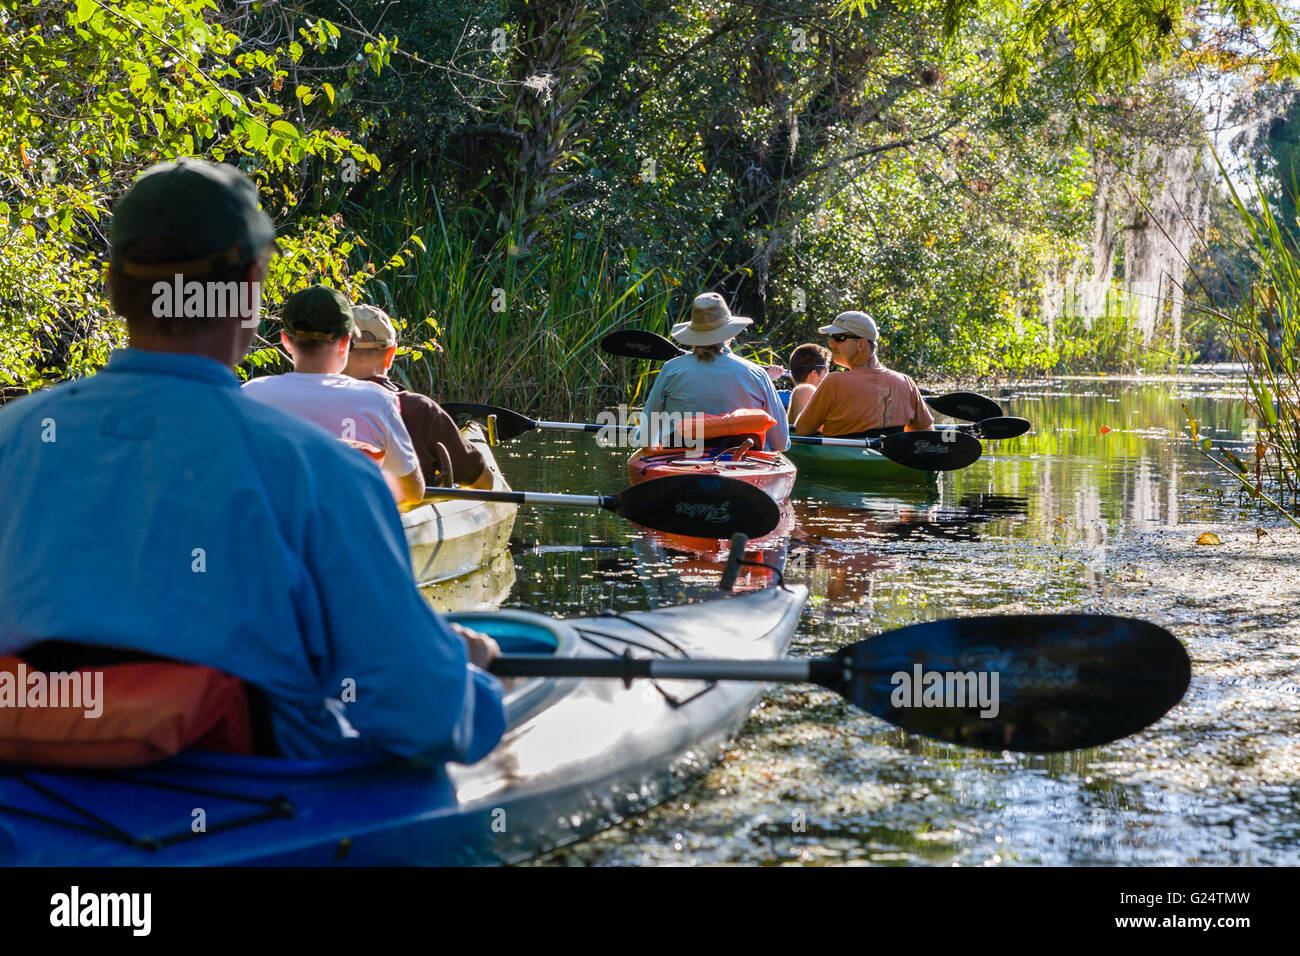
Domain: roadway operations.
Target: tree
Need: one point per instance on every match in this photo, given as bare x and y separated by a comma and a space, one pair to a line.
94, 92
1114, 43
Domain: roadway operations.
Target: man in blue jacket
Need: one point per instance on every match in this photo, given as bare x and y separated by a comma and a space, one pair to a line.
155, 508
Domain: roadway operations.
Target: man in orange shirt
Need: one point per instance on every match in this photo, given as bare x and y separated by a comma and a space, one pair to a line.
867, 395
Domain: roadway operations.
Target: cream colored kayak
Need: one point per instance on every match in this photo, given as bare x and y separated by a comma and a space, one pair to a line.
450, 538
483, 589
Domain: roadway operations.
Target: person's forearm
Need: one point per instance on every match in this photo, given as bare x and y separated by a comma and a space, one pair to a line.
410, 488
807, 425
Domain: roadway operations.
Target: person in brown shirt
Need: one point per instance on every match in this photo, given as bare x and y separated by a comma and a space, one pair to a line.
867, 395
373, 348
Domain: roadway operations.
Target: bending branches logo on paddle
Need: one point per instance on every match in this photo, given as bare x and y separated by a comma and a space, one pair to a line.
922, 688
711, 512
84, 690
927, 447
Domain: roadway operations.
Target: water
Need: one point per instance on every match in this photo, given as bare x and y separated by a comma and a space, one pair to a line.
1052, 521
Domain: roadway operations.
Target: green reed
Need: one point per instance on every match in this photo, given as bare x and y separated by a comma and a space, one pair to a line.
483, 323
1263, 331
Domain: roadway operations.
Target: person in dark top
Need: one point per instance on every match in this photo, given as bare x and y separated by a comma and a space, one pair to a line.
373, 348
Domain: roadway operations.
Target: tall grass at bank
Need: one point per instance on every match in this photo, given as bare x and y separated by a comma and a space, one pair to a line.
1113, 342
516, 330
1263, 331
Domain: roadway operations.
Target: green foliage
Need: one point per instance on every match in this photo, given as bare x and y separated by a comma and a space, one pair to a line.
480, 324
1112, 341
601, 164
1277, 163
1114, 43
94, 92
1263, 327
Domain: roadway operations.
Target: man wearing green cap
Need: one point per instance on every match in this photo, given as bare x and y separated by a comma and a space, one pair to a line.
156, 508
374, 344
318, 329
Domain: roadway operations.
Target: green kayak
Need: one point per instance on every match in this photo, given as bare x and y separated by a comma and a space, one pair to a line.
815, 461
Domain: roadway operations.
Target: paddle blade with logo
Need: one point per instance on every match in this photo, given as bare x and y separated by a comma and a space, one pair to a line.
702, 506
966, 406
945, 450
638, 343
993, 429
1038, 683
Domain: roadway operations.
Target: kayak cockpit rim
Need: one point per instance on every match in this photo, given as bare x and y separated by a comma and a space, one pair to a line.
515, 631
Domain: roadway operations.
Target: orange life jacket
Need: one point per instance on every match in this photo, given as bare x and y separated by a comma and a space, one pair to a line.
147, 710
743, 421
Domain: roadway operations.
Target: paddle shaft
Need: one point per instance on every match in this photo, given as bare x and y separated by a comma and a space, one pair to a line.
839, 442
795, 439
608, 502
577, 426
708, 506
923, 450
629, 669
816, 670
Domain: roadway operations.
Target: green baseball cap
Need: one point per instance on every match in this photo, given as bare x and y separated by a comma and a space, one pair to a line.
206, 213
318, 313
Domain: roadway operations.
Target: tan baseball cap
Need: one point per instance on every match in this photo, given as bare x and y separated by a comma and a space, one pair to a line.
853, 323
374, 328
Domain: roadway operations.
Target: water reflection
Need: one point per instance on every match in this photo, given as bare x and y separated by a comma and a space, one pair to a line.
1039, 524
484, 588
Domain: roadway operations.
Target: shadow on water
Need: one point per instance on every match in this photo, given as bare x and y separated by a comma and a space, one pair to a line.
1032, 527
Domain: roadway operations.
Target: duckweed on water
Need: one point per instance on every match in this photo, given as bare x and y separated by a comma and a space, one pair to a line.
1065, 518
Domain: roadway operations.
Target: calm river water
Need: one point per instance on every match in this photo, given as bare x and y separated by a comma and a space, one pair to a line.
1032, 527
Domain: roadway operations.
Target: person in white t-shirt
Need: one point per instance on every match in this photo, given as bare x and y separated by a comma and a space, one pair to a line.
318, 329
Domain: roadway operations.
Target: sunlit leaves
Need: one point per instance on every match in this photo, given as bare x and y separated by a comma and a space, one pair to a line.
1116, 42
96, 91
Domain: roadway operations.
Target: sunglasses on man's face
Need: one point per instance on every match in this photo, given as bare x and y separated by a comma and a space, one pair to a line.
843, 336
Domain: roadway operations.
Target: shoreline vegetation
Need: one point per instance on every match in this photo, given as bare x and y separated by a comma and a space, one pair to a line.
1008, 199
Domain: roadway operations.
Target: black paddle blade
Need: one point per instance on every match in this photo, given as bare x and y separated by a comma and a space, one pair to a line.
702, 506
638, 343
509, 424
1038, 683
932, 451
993, 429
965, 406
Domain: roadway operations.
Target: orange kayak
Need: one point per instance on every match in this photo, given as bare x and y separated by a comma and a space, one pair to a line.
769, 470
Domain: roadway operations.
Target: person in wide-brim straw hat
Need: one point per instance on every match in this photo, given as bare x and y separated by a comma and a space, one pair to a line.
711, 379
711, 322
865, 397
